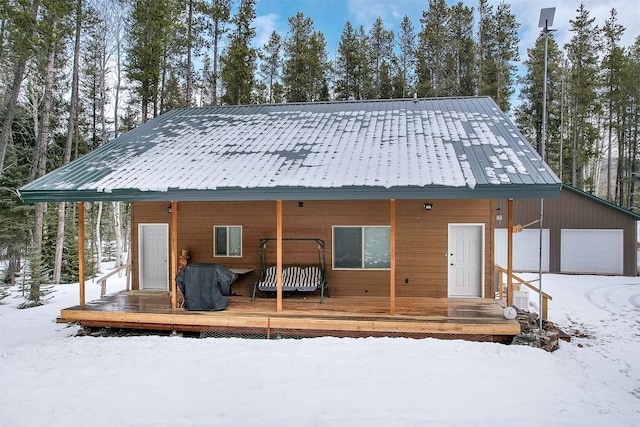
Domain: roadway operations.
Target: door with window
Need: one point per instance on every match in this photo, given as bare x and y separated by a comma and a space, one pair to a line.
153, 253
466, 258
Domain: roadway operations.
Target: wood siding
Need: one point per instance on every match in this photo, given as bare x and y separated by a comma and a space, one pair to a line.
575, 211
421, 239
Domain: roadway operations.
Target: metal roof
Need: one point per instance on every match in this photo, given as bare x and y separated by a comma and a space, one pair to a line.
382, 149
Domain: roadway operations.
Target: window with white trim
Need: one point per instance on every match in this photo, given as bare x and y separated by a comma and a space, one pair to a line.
361, 247
227, 240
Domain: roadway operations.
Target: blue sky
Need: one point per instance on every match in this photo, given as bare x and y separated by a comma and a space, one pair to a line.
329, 16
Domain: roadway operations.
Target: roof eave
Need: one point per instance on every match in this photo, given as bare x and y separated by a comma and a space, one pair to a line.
520, 191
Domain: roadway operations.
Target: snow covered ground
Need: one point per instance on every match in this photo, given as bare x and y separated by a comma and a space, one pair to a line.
50, 377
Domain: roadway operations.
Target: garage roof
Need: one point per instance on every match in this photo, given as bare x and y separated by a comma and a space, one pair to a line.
411, 148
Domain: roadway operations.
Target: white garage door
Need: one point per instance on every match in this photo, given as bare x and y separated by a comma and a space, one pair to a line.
526, 249
591, 251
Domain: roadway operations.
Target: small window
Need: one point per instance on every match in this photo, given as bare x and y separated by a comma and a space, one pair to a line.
361, 247
227, 240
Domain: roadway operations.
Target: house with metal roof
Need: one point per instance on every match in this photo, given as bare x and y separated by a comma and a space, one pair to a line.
400, 193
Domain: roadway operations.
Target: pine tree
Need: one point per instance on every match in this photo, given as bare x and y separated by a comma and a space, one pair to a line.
582, 87
306, 62
239, 62
498, 49
612, 100
350, 64
149, 28
380, 55
630, 121
217, 13
19, 30
406, 59
460, 66
17, 218
271, 66
529, 113
431, 51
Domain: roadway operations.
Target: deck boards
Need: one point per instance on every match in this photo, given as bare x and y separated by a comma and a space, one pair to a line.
356, 315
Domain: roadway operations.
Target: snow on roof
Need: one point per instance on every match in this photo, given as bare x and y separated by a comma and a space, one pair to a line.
288, 150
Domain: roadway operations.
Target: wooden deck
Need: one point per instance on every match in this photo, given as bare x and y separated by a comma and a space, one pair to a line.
472, 319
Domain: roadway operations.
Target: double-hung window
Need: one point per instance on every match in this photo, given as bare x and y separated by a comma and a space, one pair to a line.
361, 247
227, 240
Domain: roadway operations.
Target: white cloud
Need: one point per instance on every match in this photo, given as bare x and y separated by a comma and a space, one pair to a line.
265, 25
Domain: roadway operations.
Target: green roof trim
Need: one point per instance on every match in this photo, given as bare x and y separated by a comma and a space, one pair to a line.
602, 201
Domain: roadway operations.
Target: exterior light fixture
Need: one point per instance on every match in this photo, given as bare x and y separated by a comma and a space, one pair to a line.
427, 206
169, 210
499, 215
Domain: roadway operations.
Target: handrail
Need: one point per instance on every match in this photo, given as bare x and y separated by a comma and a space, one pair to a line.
103, 280
545, 297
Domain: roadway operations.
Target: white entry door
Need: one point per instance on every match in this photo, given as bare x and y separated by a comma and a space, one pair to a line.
466, 258
153, 242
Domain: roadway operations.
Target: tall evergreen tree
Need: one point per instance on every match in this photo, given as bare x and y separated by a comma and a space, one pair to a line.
55, 29
149, 29
582, 89
350, 65
460, 65
629, 125
405, 63
529, 113
306, 62
271, 66
19, 30
431, 51
498, 50
217, 13
613, 100
380, 55
239, 62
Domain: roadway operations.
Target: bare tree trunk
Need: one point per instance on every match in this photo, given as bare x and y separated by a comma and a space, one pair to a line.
98, 237
116, 102
216, 35
189, 49
73, 108
10, 110
117, 225
39, 164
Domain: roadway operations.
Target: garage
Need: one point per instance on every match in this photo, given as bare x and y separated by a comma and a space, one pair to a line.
583, 234
591, 251
526, 249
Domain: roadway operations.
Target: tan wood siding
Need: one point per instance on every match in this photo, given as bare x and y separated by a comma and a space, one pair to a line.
421, 239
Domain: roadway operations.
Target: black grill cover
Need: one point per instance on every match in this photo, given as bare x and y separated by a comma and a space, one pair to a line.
205, 286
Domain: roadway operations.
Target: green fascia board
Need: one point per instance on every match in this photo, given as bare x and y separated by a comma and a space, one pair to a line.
602, 201
520, 191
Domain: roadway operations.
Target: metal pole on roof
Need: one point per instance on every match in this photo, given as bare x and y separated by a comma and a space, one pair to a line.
546, 20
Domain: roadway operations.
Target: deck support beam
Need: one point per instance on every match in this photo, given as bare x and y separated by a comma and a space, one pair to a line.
392, 269
81, 252
174, 253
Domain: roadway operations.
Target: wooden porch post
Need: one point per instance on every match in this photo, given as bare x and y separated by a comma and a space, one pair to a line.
392, 272
279, 255
81, 251
174, 253
509, 252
